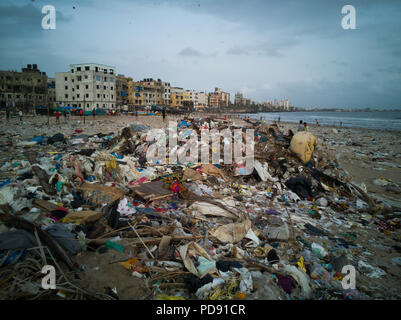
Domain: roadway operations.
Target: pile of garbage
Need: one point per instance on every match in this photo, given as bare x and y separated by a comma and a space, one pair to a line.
284, 230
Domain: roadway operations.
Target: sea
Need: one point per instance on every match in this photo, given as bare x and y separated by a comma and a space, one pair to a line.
389, 120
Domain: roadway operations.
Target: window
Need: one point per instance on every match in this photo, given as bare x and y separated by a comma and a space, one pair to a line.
66, 96
65, 79
77, 95
66, 87
73, 89
111, 88
18, 96
86, 87
98, 95
112, 96
96, 69
87, 95
104, 96
78, 68
86, 77
111, 79
97, 86
104, 87
87, 68
77, 86
105, 78
72, 80
72, 70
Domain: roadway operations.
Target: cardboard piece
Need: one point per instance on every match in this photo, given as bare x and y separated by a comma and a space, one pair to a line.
82, 217
99, 194
44, 205
232, 232
191, 249
152, 191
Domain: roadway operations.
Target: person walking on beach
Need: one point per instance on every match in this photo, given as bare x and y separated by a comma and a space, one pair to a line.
57, 117
341, 124
164, 114
317, 123
278, 119
65, 116
7, 114
20, 116
80, 112
93, 113
305, 126
136, 113
300, 126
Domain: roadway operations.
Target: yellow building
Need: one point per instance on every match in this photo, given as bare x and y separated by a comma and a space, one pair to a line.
186, 96
177, 100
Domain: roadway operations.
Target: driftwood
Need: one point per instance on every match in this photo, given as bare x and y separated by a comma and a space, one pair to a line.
151, 240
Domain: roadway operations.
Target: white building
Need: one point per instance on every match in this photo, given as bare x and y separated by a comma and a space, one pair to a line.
286, 104
166, 93
88, 85
203, 98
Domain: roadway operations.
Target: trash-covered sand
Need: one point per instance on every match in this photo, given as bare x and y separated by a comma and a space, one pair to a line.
85, 199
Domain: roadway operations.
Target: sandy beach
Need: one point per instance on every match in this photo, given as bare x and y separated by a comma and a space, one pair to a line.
370, 159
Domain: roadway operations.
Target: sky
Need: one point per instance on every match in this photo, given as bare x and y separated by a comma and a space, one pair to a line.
289, 49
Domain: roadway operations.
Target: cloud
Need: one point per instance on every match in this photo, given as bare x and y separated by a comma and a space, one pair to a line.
189, 52
268, 48
237, 50
340, 63
390, 70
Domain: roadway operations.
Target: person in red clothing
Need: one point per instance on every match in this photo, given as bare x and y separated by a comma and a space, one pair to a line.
80, 112
57, 117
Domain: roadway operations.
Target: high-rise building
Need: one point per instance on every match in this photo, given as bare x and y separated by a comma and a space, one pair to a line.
238, 98
87, 85
23, 90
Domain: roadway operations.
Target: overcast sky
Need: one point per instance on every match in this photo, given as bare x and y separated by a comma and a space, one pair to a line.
265, 49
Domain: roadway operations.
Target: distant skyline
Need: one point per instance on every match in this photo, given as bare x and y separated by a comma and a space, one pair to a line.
267, 50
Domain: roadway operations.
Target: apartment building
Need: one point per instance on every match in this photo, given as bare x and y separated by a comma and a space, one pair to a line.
177, 97
202, 100
51, 93
191, 95
23, 90
238, 98
147, 92
88, 86
214, 100
122, 90
166, 93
